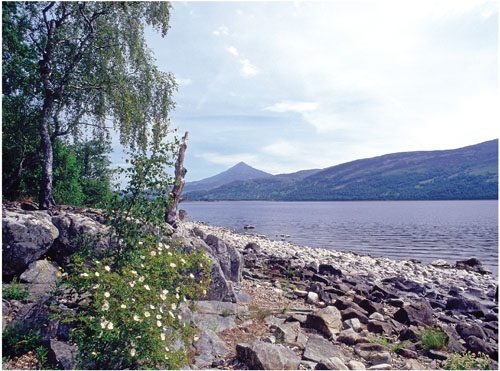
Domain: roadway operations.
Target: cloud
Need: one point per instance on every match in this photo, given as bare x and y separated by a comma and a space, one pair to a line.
248, 69
183, 81
293, 106
233, 51
221, 31
228, 160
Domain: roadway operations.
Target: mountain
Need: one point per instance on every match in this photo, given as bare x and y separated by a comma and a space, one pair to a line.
465, 173
240, 171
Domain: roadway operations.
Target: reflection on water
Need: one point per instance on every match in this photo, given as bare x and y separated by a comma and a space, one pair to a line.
423, 230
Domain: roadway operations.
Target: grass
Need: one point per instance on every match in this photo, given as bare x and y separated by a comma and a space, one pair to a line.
385, 341
432, 338
15, 291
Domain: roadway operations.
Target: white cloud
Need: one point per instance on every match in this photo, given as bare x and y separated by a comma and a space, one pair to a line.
221, 31
293, 106
248, 69
183, 81
228, 160
232, 50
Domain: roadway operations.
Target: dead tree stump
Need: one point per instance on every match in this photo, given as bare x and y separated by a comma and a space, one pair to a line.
180, 172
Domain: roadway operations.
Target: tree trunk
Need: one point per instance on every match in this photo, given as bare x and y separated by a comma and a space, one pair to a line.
46, 198
180, 172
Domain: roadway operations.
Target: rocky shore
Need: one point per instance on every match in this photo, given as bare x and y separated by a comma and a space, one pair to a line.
273, 305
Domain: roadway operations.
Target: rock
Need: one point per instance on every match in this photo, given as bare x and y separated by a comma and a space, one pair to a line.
365, 350
476, 344
441, 263
265, 356
453, 343
41, 271
62, 354
252, 246
243, 297
350, 313
413, 364
312, 298
465, 330
332, 363
287, 332
398, 303
379, 327
376, 316
377, 358
372, 307
355, 365
209, 347
409, 333
329, 270
307, 365
349, 337
418, 313
300, 293
318, 348
26, 236
466, 305
352, 323
437, 354
326, 320
382, 366
471, 265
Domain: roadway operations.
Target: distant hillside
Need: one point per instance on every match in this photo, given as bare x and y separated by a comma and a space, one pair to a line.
465, 173
240, 171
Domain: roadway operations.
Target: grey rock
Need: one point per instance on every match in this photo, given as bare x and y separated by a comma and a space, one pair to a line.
476, 344
332, 363
318, 348
308, 365
355, 365
465, 330
377, 358
220, 307
301, 340
379, 327
352, 323
413, 364
41, 271
382, 366
437, 354
265, 356
228, 257
287, 332
349, 337
376, 316
312, 297
350, 313
209, 347
327, 320
418, 313
62, 354
26, 236
365, 350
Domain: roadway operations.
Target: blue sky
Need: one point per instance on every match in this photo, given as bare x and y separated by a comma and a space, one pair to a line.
286, 86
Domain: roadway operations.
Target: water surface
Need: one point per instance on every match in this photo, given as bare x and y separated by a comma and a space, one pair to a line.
422, 230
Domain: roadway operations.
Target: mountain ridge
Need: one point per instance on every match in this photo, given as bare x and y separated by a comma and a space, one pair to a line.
469, 172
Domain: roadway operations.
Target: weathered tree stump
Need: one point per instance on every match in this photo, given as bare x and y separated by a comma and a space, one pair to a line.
171, 216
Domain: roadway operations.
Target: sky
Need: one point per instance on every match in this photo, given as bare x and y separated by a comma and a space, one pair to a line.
287, 86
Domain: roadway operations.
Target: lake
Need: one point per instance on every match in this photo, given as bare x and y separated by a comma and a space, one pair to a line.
422, 230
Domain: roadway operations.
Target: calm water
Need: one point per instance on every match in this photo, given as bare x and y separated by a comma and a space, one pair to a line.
423, 230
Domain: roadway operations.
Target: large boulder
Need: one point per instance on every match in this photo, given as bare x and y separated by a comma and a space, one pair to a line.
418, 313
41, 271
266, 356
327, 320
228, 257
318, 349
26, 236
62, 354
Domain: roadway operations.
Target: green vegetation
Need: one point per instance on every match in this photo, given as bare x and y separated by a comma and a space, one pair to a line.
18, 340
432, 338
385, 341
15, 291
467, 361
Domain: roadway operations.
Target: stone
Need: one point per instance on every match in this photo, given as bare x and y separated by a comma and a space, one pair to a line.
408, 333
326, 320
307, 365
312, 298
413, 364
318, 348
228, 257
418, 313
379, 327
453, 343
26, 236
372, 307
463, 304
300, 293
382, 366
365, 350
437, 354
472, 265
62, 354
355, 365
349, 337
287, 332
41, 272
376, 316
350, 313
377, 358
330, 270
352, 323
476, 344
209, 347
332, 363
266, 356
398, 303
465, 330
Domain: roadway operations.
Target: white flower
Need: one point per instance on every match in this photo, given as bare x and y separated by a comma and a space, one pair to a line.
152, 306
140, 242
173, 265
166, 348
132, 352
132, 283
183, 261
95, 287
165, 292
105, 306
84, 274
97, 262
161, 310
158, 323
153, 253
136, 318
158, 316
107, 268
177, 289
179, 316
134, 272
141, 279
174, 306
177, 296
142, 266
169, 253
147, 287
94, 354
110, 326
205, 292
146, 314
97, 274
143, 257
106, 294
191, 275
162, 335
123, 306
169, 312
163, 297
104, 323
201, 265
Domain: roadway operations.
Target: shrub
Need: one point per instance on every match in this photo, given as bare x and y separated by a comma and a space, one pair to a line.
15, 291
432, 338
385, 341
467, 361
133, 292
